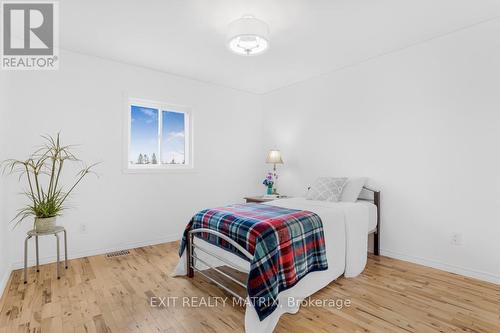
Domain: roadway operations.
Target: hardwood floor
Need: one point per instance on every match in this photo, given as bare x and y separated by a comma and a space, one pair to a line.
97, 294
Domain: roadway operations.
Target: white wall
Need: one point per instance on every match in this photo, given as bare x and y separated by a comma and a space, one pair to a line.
4, 260
85, 100
424, 123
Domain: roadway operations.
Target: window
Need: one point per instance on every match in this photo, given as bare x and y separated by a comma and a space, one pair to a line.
159, 136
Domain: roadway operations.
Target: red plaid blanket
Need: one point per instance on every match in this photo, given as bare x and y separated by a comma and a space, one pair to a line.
286, 245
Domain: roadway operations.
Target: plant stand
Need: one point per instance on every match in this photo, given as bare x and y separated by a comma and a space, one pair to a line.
36, 234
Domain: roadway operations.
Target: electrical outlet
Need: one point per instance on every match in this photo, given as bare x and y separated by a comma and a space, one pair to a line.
83, 228
456, 239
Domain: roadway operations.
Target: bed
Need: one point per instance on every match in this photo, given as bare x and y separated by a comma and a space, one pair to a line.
346, 226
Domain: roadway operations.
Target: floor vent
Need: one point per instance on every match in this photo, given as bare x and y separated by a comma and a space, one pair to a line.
118, 254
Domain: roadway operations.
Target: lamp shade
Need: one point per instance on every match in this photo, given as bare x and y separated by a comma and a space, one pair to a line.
248, 36
274, 157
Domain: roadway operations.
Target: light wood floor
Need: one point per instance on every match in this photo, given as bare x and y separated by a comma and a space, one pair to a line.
112, 295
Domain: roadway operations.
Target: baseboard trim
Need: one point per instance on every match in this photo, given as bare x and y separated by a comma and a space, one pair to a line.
4, 281
98, 251
472, 273
484, 276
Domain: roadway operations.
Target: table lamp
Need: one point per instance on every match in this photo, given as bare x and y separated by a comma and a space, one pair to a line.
274, 157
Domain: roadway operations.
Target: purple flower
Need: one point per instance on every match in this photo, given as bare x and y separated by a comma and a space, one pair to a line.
269, 180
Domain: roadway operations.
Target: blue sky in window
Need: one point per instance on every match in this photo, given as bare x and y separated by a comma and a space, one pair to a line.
173, 138
143, 132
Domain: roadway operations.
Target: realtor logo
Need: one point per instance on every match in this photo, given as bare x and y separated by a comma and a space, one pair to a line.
30, 35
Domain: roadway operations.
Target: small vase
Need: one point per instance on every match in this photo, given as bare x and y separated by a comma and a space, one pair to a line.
44, 224
269, 190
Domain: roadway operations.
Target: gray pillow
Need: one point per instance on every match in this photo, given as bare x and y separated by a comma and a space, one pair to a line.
352, 189
326, 189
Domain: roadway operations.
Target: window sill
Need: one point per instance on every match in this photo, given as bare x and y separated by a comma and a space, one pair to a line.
159, 170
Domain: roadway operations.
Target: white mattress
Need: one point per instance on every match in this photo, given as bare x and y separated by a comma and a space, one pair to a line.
372, 214
346, 227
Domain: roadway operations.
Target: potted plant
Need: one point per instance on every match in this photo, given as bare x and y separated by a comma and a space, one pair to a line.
42, 171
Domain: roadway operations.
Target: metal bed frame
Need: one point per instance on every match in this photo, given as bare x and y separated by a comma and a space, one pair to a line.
192, 257
376, 231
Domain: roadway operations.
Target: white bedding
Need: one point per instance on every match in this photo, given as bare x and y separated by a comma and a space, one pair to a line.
345, 227
372, 214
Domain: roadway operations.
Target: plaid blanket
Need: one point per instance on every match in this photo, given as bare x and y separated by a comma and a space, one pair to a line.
286, 245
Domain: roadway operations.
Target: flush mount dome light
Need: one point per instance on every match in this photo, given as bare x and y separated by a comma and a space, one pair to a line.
248, 36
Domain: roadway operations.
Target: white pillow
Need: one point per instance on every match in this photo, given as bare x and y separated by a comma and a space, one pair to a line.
352, 189
326, 189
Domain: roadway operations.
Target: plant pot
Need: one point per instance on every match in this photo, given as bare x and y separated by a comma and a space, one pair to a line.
44, 224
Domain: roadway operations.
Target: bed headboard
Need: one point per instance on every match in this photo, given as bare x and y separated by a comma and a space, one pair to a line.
370, 194
375, 198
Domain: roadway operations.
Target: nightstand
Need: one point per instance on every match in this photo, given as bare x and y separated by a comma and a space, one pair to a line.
261, 198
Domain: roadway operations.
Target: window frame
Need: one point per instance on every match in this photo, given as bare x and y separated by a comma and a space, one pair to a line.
188, 135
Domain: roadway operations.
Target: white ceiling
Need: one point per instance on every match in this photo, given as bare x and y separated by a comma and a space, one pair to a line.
308, 37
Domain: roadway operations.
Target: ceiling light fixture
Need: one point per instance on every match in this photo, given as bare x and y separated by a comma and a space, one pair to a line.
248, 36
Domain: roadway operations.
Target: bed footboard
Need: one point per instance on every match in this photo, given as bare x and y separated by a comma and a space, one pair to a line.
192, 258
